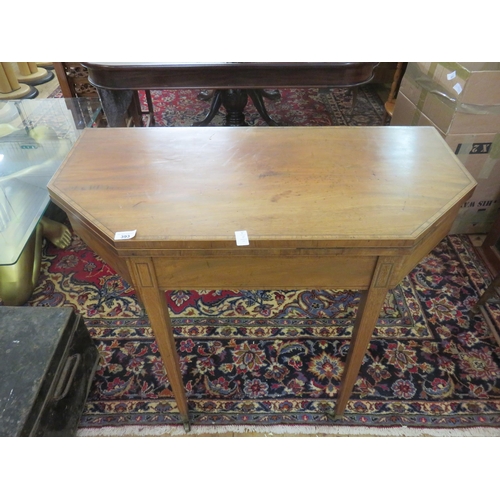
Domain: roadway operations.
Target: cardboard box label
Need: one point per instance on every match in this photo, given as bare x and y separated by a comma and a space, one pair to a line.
473, 219
480, 204
476, 148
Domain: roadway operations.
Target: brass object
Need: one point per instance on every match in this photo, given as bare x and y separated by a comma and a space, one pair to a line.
35, 137
18, 280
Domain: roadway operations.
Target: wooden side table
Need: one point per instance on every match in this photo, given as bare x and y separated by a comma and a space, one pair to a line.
321, 207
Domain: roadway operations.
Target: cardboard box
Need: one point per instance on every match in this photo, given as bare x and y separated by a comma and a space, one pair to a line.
406, 113
455, 98
476, 217
468, 83
480, 154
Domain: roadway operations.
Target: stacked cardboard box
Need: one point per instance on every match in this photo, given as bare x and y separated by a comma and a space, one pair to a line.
462, 101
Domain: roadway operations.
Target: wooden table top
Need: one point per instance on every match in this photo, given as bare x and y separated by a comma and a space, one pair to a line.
227, 75
287, 187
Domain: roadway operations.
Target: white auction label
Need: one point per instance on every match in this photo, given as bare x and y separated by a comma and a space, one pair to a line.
458, 88
451, 75
241, 238
125, 235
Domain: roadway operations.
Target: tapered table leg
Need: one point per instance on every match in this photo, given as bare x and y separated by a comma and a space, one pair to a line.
144, 278
368, 313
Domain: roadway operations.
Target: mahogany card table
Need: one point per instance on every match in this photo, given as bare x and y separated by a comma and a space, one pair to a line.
262, 208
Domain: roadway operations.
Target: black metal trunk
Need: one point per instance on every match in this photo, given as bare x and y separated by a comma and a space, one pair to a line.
47, 362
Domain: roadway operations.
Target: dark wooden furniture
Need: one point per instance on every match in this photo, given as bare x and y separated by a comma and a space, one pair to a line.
47, 362
323, 207
234, 82
384, 73
74, 82
390, 103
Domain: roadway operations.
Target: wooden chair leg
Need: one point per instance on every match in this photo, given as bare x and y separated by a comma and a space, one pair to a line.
489, 292
151, 111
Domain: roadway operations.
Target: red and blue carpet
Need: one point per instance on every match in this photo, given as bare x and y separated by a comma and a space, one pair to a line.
296, 107
275, 357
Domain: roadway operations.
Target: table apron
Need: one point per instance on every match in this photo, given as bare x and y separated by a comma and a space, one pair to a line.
252, 76
352, 272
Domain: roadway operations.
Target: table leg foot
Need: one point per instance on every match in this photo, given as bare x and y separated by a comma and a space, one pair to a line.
214, 107
334, 416
258, 101
272, 95
205, 95
187, 426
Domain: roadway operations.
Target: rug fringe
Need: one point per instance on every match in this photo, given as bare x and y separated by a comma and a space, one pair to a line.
285, 430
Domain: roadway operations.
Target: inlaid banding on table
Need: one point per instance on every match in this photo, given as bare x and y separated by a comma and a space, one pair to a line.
383, 275
144, 273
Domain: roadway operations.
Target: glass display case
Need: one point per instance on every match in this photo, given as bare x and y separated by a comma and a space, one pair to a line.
35, 137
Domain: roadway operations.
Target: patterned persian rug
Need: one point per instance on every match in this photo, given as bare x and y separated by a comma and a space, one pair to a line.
296, 107
273, 359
